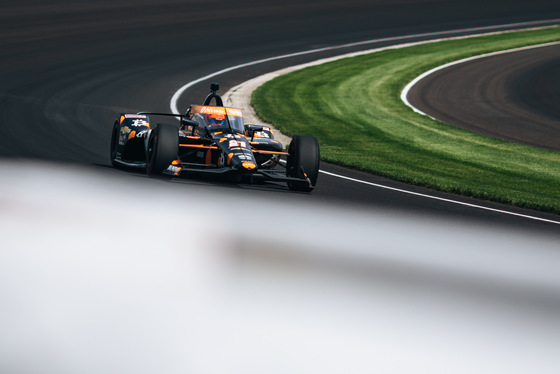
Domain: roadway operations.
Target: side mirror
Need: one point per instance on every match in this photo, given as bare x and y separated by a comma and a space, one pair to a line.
189, 125
189, 122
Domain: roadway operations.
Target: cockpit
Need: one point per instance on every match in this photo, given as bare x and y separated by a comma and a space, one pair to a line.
214, 118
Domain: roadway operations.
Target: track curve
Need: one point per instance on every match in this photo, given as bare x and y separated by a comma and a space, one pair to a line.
68, 68
511, 96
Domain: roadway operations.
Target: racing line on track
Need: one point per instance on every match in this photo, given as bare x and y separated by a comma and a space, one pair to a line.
175, 98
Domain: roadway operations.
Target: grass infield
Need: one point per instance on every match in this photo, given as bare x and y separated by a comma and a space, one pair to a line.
353, 107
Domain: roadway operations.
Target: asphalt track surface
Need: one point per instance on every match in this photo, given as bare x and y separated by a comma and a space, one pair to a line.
69, 67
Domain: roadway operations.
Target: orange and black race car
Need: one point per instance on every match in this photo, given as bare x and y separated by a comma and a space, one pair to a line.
212, 139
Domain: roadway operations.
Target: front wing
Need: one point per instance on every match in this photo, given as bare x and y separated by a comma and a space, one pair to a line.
276, 174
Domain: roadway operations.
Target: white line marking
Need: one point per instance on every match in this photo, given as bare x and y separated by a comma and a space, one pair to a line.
439, 198
175, 98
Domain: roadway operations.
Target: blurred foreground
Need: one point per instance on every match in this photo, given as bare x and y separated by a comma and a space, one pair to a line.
101, 275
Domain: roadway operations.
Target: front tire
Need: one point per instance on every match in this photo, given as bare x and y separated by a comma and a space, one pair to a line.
114, 143
303, 163
162, 148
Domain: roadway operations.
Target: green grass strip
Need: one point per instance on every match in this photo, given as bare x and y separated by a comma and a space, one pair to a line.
353, 107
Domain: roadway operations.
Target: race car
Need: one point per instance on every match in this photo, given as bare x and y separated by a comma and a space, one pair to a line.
213, 140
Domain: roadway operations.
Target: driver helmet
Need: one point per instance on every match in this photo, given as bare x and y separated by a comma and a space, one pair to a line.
215, 119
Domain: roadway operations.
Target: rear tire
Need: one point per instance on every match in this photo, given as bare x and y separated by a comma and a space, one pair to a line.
303, 162
162, 148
